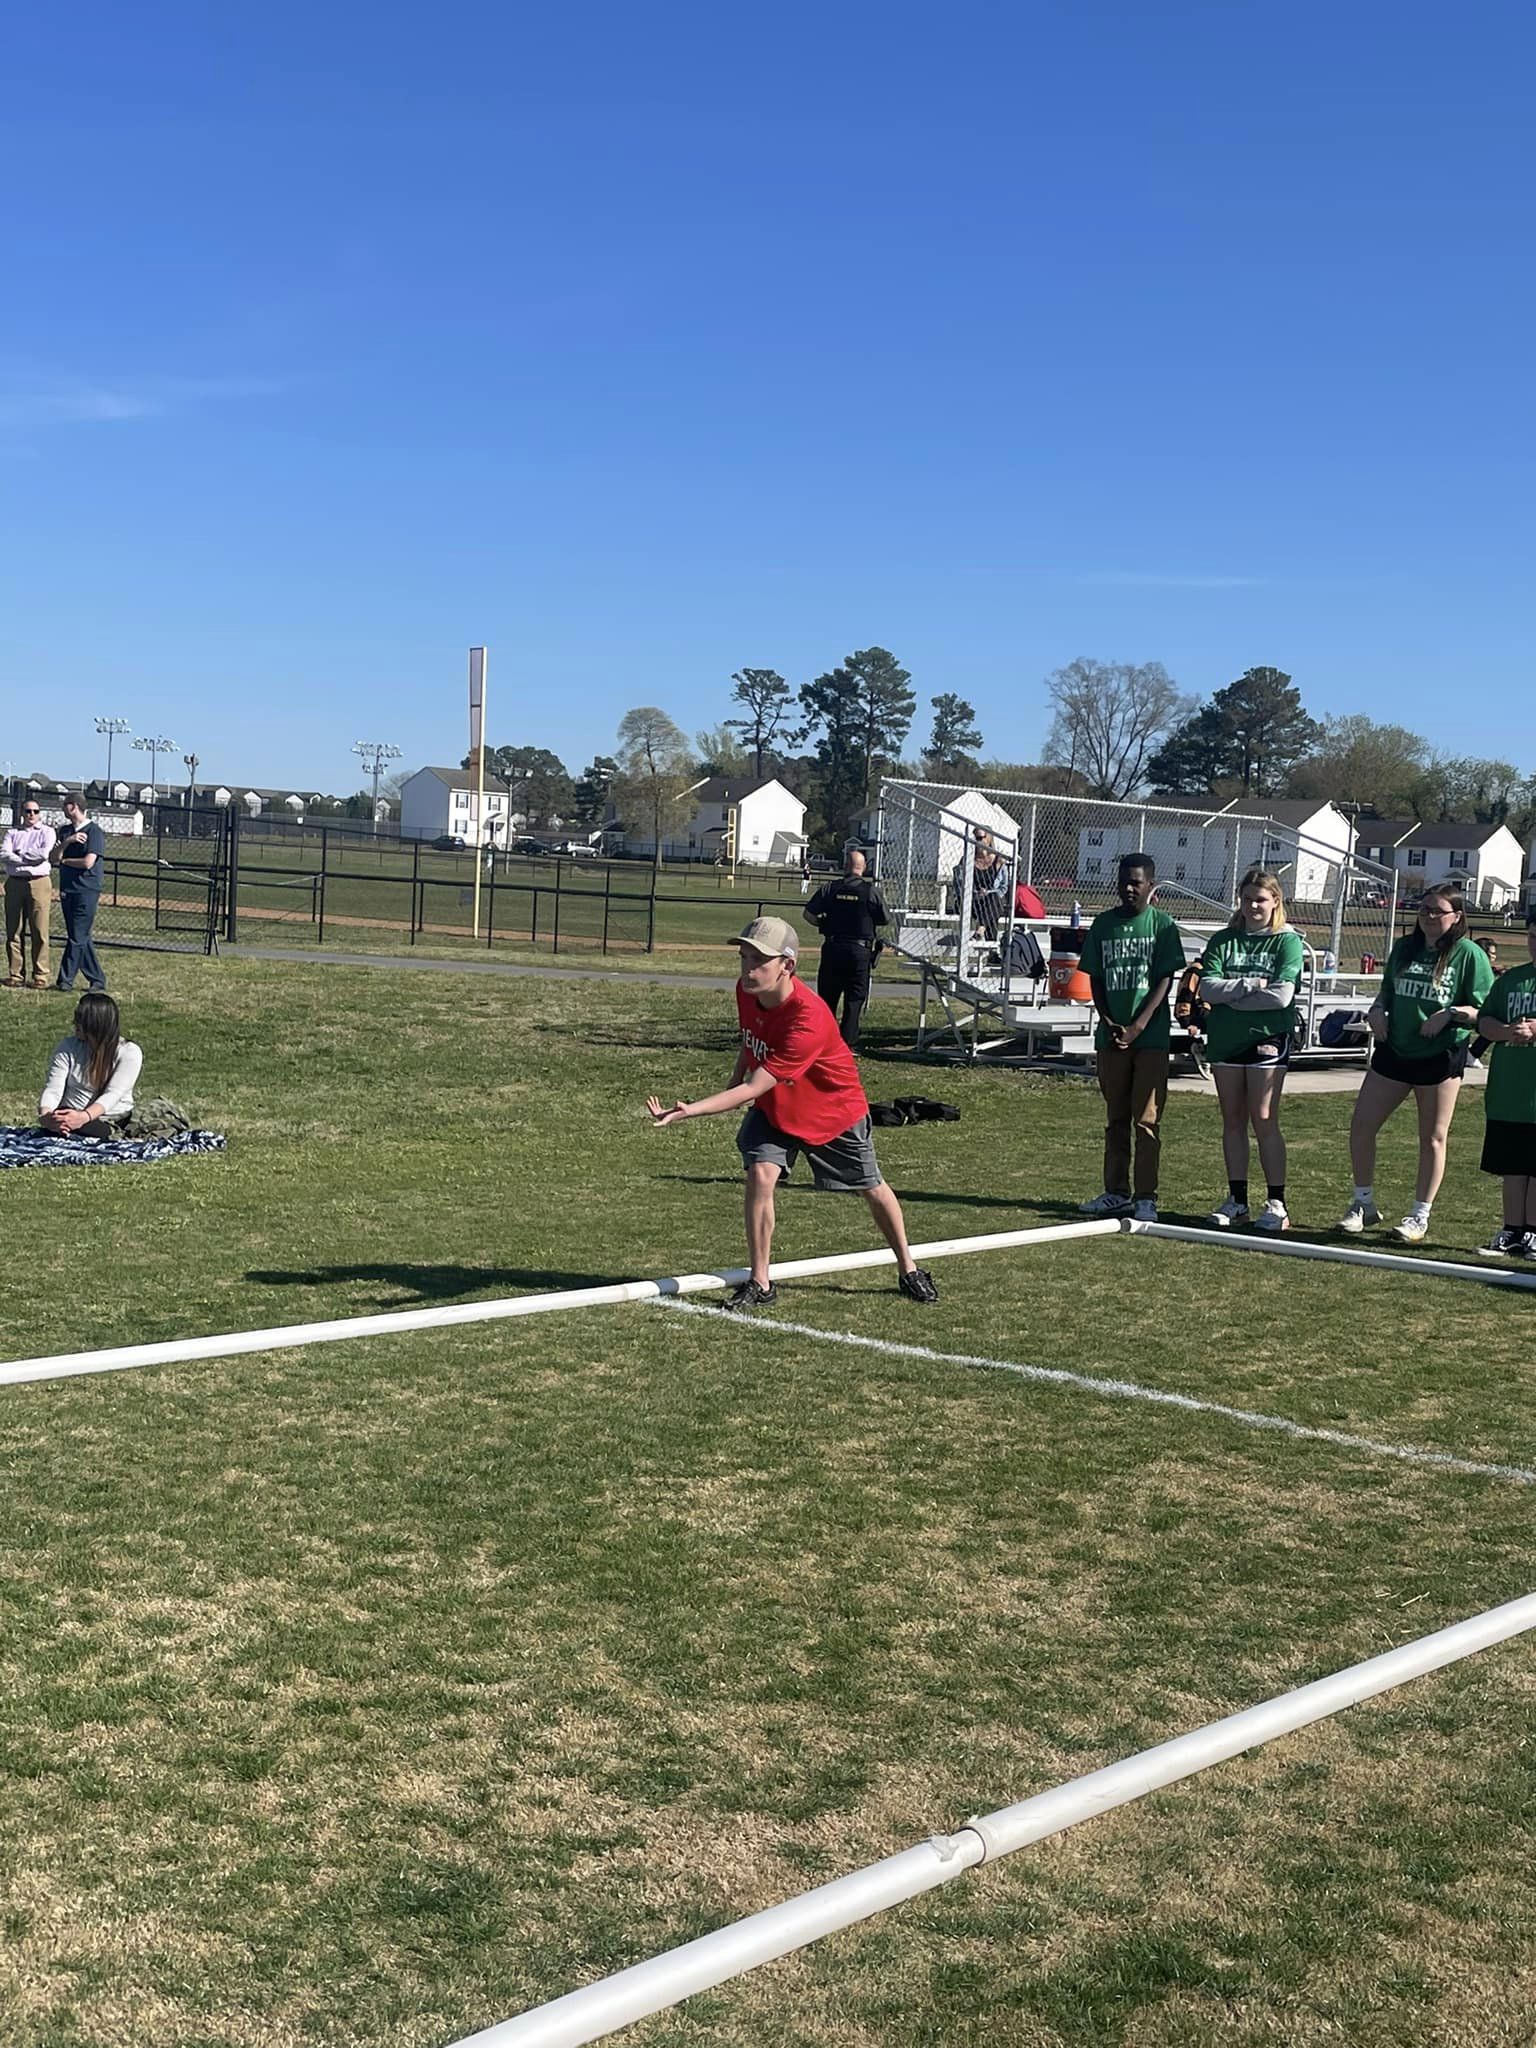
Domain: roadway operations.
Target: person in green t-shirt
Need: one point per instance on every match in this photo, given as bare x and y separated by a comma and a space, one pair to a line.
1132, 956
1249, 978
1431, 994
1508, 1021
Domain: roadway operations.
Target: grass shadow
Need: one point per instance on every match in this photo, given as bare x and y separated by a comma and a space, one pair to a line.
433, 1283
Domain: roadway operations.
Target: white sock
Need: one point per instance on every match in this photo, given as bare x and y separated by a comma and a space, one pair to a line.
1366, 1197
1421, 1210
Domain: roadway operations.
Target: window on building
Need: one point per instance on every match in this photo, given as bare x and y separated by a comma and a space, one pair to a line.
1418, 857
461, 799
1093, 867
1462, 859
1095, 838
1183, 839
1179, 872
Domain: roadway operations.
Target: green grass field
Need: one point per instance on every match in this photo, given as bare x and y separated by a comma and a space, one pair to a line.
371, 1692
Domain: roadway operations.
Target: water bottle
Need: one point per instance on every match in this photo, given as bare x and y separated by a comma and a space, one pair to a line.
1077, 916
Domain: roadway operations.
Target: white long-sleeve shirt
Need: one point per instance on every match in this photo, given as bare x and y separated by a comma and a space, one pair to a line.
68, 1085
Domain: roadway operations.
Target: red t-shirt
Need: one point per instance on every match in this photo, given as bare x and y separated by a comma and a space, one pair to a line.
818, 1094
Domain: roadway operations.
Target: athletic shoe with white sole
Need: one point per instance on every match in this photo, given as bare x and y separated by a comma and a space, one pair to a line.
1144, 1211
1228, 1213
748, 1296
1508, 1243
918, 1285
1359, 1216
1106, 1204
1273, 1217
1412, 1230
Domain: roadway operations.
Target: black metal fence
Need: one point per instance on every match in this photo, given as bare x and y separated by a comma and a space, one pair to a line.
198, 875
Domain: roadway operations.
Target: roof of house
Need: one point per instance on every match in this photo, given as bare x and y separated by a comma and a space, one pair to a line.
462, 778
1283, 810
1443, 832
734, 789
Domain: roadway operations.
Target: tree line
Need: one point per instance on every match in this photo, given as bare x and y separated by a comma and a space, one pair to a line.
1118, 730
830, 741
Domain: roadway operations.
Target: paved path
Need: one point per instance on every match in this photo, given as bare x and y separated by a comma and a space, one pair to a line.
1330, 1080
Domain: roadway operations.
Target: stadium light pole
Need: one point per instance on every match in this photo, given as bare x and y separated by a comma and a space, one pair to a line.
373, 754
109, 728
154, 748
189, 761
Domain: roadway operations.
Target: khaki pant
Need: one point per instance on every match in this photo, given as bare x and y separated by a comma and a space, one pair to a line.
28, 899
1134, 1085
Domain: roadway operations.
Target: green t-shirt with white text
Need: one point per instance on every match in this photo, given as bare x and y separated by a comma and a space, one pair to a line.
1417, 982
1276, 956
1129, 952
1510, 1097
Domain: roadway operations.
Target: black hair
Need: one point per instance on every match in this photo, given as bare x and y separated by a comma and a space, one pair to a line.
1137, 860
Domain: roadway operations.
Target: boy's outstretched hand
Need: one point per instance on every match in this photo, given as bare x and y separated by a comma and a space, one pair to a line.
660, 1116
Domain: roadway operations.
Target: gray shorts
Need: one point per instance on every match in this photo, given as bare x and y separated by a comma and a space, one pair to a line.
843, 1165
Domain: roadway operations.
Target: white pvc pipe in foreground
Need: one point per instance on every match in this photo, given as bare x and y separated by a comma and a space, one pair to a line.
648, 1987
1344, 1255
290, 1336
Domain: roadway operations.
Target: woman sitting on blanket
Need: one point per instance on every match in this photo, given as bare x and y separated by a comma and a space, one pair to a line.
89, 1089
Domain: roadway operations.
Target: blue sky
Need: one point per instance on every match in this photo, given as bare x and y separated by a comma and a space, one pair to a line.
647, 343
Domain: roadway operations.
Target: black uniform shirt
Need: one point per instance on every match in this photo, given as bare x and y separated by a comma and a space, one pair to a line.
847, 909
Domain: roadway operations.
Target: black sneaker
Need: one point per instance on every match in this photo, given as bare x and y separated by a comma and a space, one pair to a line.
918, 1285
749, 1296
1508, 1243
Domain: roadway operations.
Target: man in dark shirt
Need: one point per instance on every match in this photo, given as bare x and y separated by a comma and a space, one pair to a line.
80, 848
846, 913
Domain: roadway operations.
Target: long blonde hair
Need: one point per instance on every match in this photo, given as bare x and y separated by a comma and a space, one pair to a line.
1259, 878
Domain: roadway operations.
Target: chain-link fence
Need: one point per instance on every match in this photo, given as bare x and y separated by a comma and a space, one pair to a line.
989, 890
1067, 850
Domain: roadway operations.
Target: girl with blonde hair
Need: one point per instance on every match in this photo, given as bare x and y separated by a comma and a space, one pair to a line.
1250, 976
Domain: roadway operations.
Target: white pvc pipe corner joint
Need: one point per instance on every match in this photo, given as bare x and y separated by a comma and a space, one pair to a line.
617, 2001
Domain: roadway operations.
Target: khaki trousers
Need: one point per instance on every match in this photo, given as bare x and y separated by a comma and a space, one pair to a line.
27, 902
1134, 1085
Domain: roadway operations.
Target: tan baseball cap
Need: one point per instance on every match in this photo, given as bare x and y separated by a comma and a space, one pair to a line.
773, 937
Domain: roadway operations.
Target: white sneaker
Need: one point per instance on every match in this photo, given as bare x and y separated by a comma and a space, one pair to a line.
1144, 1211
1227, 1213
1474, 1064
1359, 1216
1413, 1229
1105, 1205
1273, 1217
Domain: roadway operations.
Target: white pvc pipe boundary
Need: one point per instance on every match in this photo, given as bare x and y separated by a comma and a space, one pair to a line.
1347, 1255
613, 2002
291, 1336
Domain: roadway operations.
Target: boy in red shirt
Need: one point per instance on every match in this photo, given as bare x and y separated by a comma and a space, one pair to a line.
799, 1085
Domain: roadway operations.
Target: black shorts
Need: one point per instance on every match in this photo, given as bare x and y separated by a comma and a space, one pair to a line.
1509, 1148
1428, 1072
1268, 1052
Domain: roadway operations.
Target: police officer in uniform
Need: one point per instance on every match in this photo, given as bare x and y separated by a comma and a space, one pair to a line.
846, 913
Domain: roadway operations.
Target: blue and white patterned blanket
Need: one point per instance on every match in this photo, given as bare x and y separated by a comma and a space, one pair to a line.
41, 1148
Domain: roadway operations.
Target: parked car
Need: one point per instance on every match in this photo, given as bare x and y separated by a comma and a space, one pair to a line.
578, 849
534, 849
448, 842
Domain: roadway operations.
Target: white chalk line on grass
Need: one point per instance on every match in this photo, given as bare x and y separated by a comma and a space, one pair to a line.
1124, 1390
